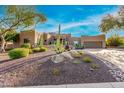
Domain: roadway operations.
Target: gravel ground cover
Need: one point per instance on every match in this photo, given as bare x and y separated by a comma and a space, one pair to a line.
45, 72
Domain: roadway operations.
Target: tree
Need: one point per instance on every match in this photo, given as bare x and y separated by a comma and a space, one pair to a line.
18, 18
12, 36
113, 22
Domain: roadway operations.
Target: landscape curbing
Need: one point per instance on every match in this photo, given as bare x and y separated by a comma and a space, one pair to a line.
86, 85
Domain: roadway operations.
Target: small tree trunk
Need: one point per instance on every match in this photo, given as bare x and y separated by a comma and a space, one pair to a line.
3, 42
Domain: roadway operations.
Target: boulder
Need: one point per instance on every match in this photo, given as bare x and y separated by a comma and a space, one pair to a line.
61, 57
57, 58
67, 55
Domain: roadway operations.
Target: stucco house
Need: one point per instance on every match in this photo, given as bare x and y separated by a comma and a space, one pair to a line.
33, 37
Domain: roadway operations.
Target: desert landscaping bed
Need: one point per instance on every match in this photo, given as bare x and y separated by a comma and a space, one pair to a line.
73, 71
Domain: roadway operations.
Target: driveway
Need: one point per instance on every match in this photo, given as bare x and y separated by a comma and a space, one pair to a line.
114, 56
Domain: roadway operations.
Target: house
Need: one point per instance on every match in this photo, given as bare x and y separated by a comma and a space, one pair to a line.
33, 38
49, 38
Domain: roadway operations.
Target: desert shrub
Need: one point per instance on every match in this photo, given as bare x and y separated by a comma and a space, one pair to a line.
26, 45
76, 62
59, 50
79, 46
95, 66
18, 53
55, 71
87, 59
43, 49
114, 40
75, 54
37, 49
80, 52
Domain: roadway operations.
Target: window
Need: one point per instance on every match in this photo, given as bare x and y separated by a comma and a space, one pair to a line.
50, 43
26, 40
45, 40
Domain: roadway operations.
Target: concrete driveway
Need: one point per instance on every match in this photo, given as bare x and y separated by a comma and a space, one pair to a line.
113, 58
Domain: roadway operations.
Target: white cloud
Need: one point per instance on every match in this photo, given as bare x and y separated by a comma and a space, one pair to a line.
91, 20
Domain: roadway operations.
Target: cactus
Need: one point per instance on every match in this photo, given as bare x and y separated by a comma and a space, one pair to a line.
40, 42
59, 48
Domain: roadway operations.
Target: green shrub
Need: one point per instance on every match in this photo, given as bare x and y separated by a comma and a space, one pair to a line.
114, 41
43, 49
39, 49
18, 53
36, 49
55, 71
59, 50
75, 54
95, 66
87, 59
26, 45
79, 46
76, 62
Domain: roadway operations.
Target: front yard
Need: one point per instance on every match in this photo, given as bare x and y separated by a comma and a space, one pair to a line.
76, 67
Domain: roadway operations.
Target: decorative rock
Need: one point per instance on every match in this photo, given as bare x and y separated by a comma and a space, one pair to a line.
91, 69
57, 58
61, 57
67, 55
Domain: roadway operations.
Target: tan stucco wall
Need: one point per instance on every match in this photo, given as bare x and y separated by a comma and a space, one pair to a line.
27, 35
93, 38
32, 35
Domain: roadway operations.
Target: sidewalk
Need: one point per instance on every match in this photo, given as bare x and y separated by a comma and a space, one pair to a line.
88, 85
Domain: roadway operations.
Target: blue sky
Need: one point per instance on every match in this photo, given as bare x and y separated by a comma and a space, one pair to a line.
75, 19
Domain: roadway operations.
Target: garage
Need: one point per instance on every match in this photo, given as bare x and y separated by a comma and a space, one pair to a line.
93, 44
93, 41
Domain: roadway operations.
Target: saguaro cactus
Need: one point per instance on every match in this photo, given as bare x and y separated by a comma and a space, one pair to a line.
59, 46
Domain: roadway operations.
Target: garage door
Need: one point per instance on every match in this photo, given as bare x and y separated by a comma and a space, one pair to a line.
92, 44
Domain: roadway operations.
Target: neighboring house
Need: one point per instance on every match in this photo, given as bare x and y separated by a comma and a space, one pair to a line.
33, 37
